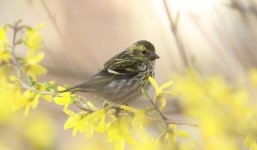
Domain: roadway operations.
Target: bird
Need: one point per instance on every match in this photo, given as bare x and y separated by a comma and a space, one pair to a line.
123, 77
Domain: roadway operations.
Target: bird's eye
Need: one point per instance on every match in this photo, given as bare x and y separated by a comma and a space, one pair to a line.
144, 52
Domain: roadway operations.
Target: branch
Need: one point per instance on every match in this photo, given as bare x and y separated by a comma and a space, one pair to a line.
17, 68
78, 101
163, 118
53, 19
250, 7
174, 27
15, 28
177, 122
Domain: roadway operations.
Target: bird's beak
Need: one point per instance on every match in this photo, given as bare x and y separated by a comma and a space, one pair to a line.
154, 56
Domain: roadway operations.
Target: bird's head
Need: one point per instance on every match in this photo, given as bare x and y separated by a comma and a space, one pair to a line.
143, 50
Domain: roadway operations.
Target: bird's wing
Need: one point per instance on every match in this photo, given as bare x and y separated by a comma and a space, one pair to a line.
121, 64
118, 69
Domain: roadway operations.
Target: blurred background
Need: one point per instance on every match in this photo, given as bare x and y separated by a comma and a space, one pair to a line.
214, 36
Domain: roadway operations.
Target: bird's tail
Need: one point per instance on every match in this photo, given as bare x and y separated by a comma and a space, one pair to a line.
72, 90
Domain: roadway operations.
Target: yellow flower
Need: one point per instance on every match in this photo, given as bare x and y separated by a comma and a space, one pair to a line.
32, 67
8, 93
159, 91
4, 53
33, 39
64, 98
219, 108
39, 129
138, 120
29, 100
3, 37
119, 132
253, 76
145, 141
169, 139
250, 141
74, 121
86, 122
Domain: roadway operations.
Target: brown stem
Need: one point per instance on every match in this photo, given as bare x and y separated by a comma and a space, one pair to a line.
173, 27
177, 122
16, 64
164, 119
15, 28
53, 19
23, 84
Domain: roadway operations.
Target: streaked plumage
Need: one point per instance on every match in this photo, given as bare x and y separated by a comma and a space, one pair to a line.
122, 78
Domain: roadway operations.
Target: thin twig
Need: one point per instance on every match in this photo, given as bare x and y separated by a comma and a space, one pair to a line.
164, 119
53, 19
173, 27
23, 84
27, 87
243, 9
16, 64
14, 60
177, 122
